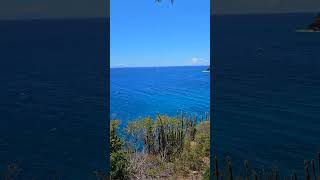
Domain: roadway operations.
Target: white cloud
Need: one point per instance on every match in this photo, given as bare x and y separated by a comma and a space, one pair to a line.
198, 61
195, 60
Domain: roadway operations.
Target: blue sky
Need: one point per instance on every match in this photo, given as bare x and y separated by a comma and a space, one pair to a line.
42, 9
144, 33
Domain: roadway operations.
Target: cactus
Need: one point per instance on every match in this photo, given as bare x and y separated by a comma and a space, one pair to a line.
230, 175
306, 167
246, 165
216, 172
313, 169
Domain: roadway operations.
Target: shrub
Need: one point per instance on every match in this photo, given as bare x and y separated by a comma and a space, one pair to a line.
118, 157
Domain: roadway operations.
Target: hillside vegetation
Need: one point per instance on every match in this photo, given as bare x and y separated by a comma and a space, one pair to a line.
161, 148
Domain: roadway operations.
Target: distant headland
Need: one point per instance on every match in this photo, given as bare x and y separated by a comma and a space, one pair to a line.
209, 68
313, 27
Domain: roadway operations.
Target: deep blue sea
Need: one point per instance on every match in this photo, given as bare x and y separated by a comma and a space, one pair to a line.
53, 97
266, 90
142, 92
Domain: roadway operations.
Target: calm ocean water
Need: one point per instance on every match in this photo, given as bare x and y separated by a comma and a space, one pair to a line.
53, 97
266, 90
53, 93
142, 92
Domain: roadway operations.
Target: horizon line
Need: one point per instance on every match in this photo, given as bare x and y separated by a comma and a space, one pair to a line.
262, 13
108, 17
54, 18
119, 67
